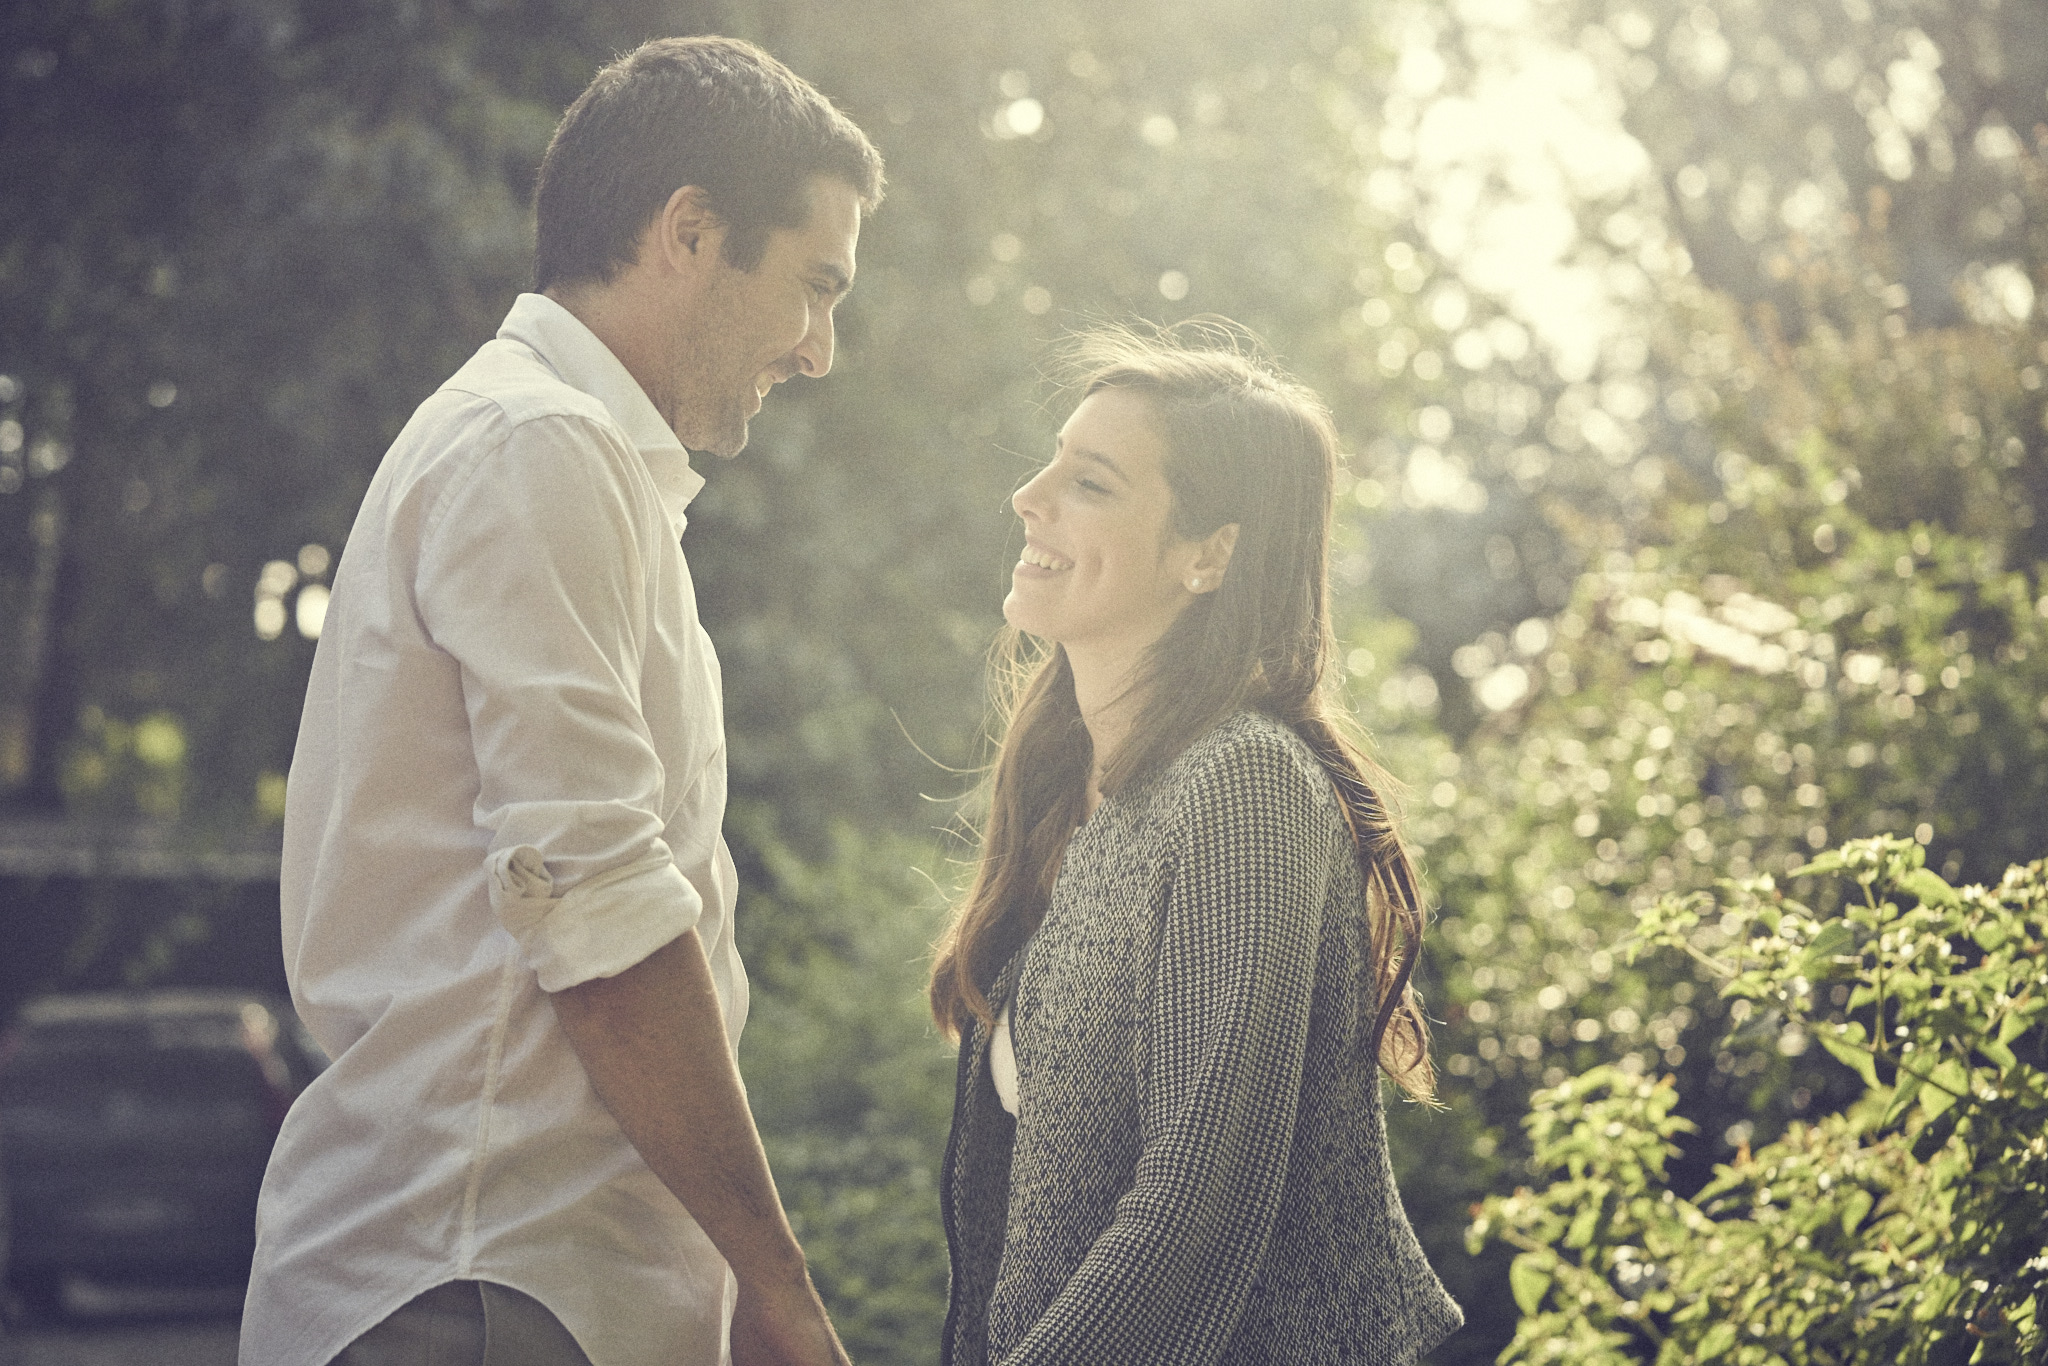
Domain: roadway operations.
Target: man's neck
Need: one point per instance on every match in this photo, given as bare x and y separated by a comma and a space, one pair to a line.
623, 329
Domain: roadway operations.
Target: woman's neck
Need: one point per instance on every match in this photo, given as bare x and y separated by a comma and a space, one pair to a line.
1108, 699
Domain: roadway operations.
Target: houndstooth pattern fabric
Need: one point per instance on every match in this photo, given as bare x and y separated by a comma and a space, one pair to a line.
1198, 1170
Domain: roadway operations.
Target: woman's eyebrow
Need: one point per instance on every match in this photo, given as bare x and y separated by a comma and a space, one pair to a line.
1098, 458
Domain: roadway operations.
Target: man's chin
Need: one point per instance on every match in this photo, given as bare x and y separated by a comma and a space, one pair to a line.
725, 440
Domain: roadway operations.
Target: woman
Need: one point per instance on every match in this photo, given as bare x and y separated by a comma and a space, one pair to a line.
1185, 954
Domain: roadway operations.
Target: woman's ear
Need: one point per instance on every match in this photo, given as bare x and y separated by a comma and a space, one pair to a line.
1205, 575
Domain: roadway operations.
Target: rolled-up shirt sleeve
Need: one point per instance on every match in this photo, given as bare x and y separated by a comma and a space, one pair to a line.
535, 575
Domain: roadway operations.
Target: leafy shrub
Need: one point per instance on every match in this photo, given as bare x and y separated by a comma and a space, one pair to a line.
849, 1081
1910, 1227
1831, 625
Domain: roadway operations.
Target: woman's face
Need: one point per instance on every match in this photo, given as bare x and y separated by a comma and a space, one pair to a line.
1102, 572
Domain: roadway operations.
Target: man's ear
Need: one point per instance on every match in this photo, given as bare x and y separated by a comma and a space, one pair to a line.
1205, 575
687, 233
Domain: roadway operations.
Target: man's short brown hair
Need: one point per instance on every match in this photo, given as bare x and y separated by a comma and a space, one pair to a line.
717, 113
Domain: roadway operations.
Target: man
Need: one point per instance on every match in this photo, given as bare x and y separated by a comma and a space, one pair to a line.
507, 904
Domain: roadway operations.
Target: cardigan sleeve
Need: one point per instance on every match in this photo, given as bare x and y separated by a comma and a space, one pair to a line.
1167, 1281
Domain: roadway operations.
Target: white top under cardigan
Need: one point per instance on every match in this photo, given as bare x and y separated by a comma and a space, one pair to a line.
1002, 1063
510, 778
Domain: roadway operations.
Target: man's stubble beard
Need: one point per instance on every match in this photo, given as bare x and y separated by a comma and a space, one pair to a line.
705, 419
723, 441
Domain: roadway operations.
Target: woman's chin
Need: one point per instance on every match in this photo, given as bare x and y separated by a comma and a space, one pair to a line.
1032, 623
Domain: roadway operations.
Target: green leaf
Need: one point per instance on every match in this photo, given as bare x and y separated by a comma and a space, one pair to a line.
1946, 1021
1835, 938
1529, 1277
1935, 1136
1935, 1294
1751, 986
1845, 1045
1949, 1082
1990, 936
1902, 1097
1927, 884
1584, 1226
2018, 1022
1829, 862
1855, 1206
1999, 1054
1718, 1340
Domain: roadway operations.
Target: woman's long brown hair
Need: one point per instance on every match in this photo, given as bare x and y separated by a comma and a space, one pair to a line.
1245, 444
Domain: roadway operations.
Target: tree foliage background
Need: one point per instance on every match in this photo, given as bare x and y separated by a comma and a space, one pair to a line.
1688, 355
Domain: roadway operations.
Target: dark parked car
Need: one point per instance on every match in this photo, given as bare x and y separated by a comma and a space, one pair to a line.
134, 1128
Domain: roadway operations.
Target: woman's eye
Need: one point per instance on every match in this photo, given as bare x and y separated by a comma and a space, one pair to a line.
1090, 486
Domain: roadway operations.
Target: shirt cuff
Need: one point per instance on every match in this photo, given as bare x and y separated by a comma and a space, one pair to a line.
598, 928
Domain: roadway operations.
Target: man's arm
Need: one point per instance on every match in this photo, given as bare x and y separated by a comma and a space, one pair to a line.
533, 573
653, 1041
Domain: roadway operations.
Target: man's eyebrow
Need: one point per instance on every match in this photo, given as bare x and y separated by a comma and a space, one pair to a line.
840, 281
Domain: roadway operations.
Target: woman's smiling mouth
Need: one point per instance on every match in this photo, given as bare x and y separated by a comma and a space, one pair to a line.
1038, 557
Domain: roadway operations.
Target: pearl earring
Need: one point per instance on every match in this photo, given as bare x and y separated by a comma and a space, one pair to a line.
1194, 585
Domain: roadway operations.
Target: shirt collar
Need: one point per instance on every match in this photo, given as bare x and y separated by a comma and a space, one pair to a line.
559, 338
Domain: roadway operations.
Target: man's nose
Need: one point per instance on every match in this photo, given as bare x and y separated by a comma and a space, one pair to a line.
814, 352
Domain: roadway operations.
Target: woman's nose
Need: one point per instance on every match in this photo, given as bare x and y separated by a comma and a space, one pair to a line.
1028, 500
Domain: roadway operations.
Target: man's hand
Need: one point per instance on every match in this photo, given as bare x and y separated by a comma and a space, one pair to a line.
785, 1326
653, 1041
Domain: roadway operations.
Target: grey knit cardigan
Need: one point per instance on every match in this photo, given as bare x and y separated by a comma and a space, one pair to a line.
1198, 1171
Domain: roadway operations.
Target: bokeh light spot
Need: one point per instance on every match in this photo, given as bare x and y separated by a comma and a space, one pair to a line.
311, 613
270, 618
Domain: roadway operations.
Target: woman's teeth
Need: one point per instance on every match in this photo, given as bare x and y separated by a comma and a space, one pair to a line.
1044, 559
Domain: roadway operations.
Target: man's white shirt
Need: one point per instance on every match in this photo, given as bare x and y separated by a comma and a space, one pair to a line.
510, 778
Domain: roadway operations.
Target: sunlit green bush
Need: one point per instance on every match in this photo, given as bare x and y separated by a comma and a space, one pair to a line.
1910, 1227
1830, 623
850, 1083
